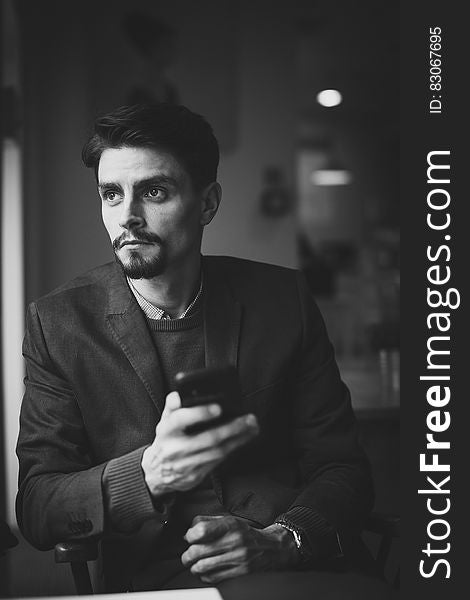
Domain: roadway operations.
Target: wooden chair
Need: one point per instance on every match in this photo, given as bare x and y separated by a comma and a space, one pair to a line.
78, 554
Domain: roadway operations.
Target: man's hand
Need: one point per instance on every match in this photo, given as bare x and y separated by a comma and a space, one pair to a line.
177, 461
225, 546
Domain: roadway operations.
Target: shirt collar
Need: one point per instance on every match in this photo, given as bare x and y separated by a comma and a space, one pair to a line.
154, 312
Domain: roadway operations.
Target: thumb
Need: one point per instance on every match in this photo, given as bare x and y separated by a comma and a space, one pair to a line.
172, 402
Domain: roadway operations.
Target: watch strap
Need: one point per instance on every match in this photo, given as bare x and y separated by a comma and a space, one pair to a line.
302, 546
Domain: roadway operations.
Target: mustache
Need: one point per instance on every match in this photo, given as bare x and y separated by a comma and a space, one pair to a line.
140, 236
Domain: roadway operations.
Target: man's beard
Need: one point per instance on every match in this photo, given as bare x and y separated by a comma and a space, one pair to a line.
137, 266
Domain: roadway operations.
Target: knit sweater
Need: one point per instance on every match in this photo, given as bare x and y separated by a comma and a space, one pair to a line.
179, 344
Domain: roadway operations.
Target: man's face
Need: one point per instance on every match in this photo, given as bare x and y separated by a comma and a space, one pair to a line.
151, 212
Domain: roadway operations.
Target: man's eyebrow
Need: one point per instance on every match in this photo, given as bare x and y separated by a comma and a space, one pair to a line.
105, 184
154, 180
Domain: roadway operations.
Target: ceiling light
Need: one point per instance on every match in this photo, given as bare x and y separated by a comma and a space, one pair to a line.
329, 98
331, 177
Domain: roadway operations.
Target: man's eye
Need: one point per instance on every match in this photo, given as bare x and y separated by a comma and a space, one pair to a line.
110, 196
156, 193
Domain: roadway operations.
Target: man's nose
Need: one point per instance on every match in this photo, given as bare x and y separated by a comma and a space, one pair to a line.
131, 215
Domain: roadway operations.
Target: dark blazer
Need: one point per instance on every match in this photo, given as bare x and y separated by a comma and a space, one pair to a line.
94, 393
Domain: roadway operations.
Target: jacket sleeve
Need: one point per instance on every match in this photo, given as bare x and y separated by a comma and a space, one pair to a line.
338, 492
61, 494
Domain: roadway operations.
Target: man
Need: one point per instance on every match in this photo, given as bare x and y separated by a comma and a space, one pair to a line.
103, 448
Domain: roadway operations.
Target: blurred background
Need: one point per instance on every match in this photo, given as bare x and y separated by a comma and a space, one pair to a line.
303, 98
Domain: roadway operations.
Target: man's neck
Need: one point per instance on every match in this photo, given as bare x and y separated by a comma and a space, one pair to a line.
174, 290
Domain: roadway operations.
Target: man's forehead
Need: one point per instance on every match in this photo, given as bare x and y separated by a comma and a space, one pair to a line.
136, 163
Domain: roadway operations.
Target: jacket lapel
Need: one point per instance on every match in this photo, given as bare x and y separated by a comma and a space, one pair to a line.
222, 319
128, 326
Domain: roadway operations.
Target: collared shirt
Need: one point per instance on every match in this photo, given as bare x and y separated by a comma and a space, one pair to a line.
154, 312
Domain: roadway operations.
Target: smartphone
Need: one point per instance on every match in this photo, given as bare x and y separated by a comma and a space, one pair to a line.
211, 385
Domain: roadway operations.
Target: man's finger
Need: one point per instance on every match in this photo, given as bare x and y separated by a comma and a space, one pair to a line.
209, 530
224, 560
196, 552
244, 428
185, 417
233, 443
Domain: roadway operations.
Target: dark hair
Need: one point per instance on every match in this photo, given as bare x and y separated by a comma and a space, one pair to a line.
172, 128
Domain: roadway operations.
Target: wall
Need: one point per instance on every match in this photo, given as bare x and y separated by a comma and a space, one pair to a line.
267, 136
62, 212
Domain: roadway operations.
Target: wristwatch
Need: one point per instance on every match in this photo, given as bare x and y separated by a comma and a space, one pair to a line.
302, 546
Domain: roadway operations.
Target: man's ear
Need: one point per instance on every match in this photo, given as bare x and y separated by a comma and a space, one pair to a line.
211, 197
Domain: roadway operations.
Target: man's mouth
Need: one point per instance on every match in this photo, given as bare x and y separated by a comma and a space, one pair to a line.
134, 243
142, 238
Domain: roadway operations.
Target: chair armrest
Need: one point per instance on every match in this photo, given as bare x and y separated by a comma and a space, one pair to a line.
76, 551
